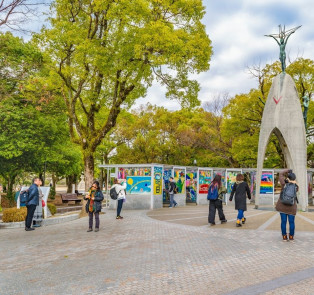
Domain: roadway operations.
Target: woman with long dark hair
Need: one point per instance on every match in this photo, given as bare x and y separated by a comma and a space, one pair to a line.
217, 189
93, 206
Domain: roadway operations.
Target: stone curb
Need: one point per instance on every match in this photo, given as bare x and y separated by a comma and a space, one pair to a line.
48, 221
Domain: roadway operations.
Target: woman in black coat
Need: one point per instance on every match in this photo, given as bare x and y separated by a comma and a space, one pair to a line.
93, 206
240, 190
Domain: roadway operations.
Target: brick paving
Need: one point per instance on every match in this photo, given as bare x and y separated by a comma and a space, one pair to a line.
144, 255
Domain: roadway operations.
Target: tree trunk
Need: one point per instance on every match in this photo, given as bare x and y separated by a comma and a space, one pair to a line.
88, 176
70, 180
10, 192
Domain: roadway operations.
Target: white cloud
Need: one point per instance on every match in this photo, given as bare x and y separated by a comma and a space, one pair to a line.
237, 29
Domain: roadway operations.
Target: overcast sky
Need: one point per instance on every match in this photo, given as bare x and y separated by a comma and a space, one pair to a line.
236, 29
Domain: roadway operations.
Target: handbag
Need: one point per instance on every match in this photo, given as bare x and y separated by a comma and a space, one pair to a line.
43, 203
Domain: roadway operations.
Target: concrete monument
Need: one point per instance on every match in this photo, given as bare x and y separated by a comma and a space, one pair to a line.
283, 116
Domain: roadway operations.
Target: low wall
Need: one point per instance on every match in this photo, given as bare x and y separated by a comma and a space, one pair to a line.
202, 199
142, 201
180, 199
157, 202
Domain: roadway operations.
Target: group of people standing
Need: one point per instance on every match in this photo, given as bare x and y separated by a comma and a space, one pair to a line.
241, 191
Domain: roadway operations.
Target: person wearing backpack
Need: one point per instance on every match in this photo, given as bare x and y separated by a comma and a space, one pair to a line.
215, 196
120, 187
240, 190
172, 191
93, 205
284, 206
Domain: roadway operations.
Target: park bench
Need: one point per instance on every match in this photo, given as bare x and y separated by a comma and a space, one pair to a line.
70, 197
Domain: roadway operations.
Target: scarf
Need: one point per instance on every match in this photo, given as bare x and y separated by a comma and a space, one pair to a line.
92, 206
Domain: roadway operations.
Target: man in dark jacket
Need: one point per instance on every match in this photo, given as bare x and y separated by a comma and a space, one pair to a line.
171, 191
31, 203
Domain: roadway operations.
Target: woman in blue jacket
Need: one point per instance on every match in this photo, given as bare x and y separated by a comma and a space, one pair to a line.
93, 206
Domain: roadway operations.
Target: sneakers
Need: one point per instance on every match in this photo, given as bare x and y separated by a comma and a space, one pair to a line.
89, 230
119, 217
29, 228
285, 238
223, 221
175, 204
291, 238
96, 229
212, 224
243, 220
238, 224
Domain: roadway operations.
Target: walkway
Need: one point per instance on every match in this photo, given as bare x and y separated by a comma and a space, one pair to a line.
142, 255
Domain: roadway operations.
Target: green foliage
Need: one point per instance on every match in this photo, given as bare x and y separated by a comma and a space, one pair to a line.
52, 193
52, 208
105, 54
14, 214
33, 126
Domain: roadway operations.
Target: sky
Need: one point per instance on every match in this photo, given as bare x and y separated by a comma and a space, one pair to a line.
236, 29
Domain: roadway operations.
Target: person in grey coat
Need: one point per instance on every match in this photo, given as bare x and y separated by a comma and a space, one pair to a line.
31, 203
241, 190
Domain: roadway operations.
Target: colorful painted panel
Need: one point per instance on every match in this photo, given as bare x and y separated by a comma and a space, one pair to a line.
179, 178
123, 173
267, 182
191, 186
138, 184
222, 173
205, 178
167, 175
231, 179
157, 180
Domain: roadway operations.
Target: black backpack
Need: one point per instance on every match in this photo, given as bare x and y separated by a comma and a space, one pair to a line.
113, 194
288, 194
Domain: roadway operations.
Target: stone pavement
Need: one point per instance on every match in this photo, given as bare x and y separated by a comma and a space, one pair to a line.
143, 255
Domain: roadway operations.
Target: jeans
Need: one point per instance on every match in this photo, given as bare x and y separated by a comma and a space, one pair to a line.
119, 208
172, 200
284, 218
29, 217
240, 214
213, 205
91, 219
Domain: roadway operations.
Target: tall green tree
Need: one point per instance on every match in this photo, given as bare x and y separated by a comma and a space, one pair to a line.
106, 53
33, 128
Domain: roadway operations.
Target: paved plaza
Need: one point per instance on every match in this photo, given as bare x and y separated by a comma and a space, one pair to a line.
165, 251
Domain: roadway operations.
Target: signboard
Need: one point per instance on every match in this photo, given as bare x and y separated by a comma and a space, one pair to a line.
157, 180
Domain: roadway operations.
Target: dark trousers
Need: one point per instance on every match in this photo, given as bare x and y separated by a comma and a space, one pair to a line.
213, 205
91, 219
30, 214
120, 203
